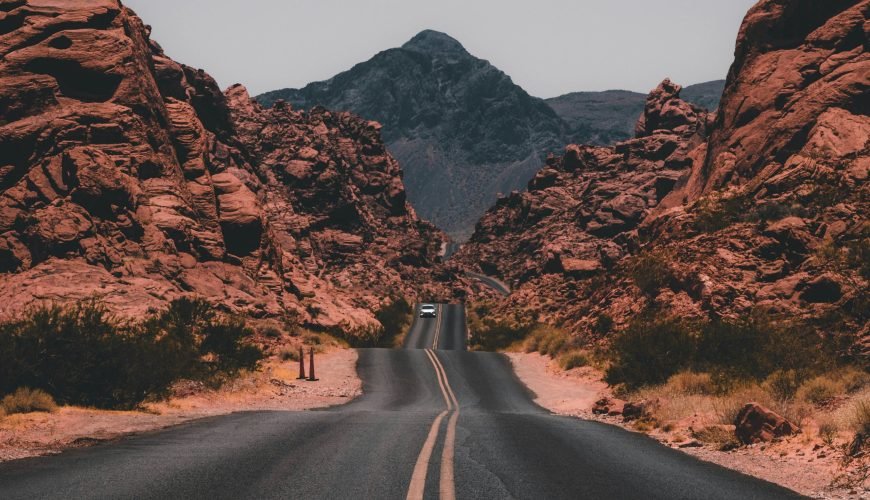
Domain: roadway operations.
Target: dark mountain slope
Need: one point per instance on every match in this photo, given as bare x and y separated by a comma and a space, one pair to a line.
460, 128
607, 117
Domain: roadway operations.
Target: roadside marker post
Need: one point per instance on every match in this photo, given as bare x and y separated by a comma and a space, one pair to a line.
301, 364
311, 377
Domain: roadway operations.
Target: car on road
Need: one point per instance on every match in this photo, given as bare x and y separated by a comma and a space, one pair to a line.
428, 311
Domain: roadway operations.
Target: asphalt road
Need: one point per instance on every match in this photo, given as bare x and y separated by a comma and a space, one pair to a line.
431, 424
499, 286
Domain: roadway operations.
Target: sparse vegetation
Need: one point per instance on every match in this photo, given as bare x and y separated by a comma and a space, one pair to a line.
81, 354
861, 418
573, 359
651, 271
492, 332
828, 431
289, 354
649, 351
27, 400
689, 383
721, 437
396, 319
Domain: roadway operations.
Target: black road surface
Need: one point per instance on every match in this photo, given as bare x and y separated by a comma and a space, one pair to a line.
490, 441
500, 287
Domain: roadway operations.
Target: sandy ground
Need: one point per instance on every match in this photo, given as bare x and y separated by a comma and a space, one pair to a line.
273, 388
801, 463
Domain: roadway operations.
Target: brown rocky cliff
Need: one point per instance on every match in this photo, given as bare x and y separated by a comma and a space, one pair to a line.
130, 176
762, 206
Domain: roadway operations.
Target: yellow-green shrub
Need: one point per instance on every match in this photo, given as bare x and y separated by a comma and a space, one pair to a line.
26, 400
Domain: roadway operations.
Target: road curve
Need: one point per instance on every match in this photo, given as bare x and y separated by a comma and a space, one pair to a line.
499, 286
491, 441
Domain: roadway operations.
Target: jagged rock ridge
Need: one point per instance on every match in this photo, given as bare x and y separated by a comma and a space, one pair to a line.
130, 176
764, 205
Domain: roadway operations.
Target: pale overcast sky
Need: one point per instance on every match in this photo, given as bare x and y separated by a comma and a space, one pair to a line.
549, 47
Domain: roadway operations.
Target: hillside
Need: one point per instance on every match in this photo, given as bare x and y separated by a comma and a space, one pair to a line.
460, 128
129, 176
761, 208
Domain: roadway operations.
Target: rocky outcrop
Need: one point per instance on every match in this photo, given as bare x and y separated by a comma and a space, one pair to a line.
755, 424
130, 176
761, 206
581, 214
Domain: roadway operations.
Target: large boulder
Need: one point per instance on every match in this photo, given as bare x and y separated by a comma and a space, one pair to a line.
755, 424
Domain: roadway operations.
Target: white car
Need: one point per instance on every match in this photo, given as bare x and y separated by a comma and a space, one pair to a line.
428, 311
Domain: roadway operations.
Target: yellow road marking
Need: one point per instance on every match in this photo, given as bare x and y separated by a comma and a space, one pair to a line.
437, 327
447, 484
418, 478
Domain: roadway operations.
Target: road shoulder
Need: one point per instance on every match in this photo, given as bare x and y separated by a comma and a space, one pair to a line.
790, 463
274, 387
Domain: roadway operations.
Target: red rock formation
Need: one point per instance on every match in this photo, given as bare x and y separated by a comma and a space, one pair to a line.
763, 207
128, 175
756, 424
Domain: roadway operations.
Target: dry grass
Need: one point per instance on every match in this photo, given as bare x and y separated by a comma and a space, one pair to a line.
861, 417
26, 400
722, 437
692, 383
289, 354
573, 359
828, 430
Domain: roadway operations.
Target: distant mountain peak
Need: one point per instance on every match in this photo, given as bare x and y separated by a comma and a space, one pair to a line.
431, 41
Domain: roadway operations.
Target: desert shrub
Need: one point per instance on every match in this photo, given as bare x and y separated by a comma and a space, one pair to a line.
289, 354
727, 408
553, 343
755, 346
828, 430
531, 344
603, 324
396, 319
690, 383
783, 384
715, 213
858, 255
26, 400
573, 359
271, 331
311, 339
80, 354
861, 417
722, 438
491, 332
853, 379
651, 272
649, 351
820, 389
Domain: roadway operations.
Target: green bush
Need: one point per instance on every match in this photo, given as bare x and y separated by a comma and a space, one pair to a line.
80, 354
650, 351
26, 400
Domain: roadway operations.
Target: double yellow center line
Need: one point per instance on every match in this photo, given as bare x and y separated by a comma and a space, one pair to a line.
447, 484
438, 327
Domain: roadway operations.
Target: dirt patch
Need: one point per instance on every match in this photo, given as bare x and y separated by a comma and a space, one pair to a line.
802, 463
274, 387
